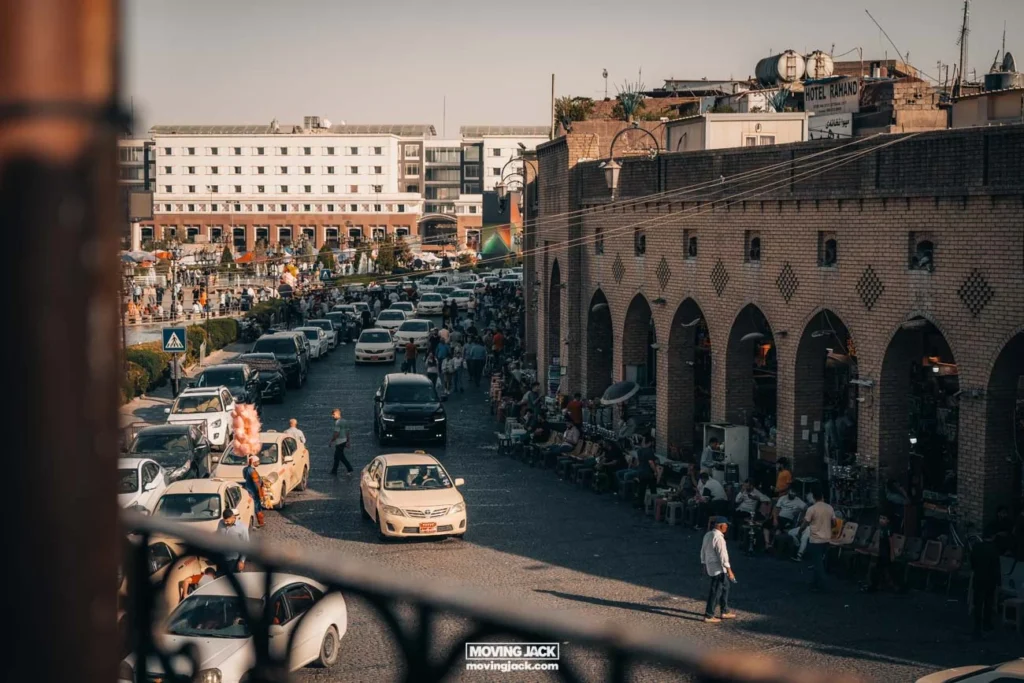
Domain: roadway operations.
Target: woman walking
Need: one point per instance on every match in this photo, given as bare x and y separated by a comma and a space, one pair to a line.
432, 367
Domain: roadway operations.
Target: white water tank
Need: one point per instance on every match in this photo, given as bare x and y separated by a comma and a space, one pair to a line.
786, 67
819, 65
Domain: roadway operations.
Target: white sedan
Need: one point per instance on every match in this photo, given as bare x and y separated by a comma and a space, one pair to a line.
411, 494
213, 622
375, 345
141, 482
417, 331
430, 304
463, 297
318, 344
391, 319
406, 307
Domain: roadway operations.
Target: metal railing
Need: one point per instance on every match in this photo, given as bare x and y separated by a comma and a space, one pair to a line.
424, 656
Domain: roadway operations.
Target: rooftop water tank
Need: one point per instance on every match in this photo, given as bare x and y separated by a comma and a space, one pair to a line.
819, 65
787, 67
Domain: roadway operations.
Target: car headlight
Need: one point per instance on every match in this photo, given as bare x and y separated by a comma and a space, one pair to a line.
208, 676
387, 418
393, 511
217, 423
125, 672
458, 507
439, 417
273, 477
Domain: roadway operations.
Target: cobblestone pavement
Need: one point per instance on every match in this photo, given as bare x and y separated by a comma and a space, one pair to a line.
543, 542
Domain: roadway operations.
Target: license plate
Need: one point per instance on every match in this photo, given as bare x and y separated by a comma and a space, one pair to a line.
415, 428
428, 527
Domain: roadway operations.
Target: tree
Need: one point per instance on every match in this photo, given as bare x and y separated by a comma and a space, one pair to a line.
326, 258
403, 252
386, 261
631, 100
226, 259
570, 109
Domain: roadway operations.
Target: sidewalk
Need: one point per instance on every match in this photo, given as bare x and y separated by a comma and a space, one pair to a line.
150, 407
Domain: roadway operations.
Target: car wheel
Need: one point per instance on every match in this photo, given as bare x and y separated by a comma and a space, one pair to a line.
329, 649
304, 482
381, 536
362, 508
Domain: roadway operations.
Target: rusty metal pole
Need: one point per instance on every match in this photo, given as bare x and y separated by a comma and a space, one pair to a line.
58, 191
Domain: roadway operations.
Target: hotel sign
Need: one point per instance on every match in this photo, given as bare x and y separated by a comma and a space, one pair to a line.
841, 96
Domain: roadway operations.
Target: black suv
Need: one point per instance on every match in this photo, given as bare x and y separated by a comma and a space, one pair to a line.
181, 449
239, 379
285, 348
269, 373
407, 407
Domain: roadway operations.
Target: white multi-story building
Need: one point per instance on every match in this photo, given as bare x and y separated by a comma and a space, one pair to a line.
321, 183
502, 145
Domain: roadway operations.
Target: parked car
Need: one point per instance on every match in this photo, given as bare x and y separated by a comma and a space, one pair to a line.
391, 319
172, 568
317, 341
445, 291
406, 307
202, 502
375, 345
212, 405
181, 449
328, 327
406, 406
347, 309
212, 624
360, 308
417, 330
430, 304
140, 483
305, 346
343, 324
288, 351
269, 373
411, 494
284, 466
239, 378
1012, 670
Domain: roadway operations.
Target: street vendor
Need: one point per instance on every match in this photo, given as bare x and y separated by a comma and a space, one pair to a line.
254, 485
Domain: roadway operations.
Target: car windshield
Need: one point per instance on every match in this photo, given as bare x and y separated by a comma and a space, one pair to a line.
189, 507
268, 456
430, 281
128, 481
215, 377
213, 616
413, 326
374, 338
311, 334
415, 477
156, 443
337, 318
256, 356
324, 325
411, 393
432, 297
362, 306
391, 315
205, 403
445, 290
462, 293
403, 306
278, 347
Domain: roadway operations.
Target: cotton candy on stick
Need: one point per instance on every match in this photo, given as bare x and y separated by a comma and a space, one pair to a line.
246, 423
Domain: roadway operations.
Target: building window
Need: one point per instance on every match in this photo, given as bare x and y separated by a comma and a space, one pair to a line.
353, 207
750, 141
354, 151
214, 151
168, 189
353, 189
401, 231
329, 151
690, 244
377, 170
307, 170
766, 140
168, 170
377, 151
238, 207
376, 207
167, 151
330, 207
639, 241
307, 207
214, 208
283, 170
401, 208
472, 208
378, 188
261, 189
190, 151
192, 189
283, 189
412, 170
214, 189
308, 189
330, 189
167, 208
496, 152
307, 151
238, 189
598, 241
260, 208
828, 250
469, 171
261, 151
190, 170
214, 170
412, 188
238, 170
412, 151
354, 170
283, 207
752, 246
330, 170
238, 151
922, 252
261, 170
283, 151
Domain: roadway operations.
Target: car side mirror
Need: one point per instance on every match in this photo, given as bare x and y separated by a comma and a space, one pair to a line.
214, 458
373, 484
289, 458
459, 481
275, 630
149, 487
167, 411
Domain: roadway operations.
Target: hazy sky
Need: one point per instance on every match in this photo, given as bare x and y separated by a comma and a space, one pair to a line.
394, 61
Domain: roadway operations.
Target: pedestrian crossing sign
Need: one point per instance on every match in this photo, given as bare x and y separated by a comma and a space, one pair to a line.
174, 339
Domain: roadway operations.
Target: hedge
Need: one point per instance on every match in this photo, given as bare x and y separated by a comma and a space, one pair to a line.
152, 360
267, 312
135, 382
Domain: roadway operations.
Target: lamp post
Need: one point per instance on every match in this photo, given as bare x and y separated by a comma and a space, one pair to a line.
612, 168
611, 176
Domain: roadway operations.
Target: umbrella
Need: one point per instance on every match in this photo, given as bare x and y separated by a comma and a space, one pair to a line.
137, 257
620, 392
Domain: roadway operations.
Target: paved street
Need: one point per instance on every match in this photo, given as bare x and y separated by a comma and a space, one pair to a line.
539, 540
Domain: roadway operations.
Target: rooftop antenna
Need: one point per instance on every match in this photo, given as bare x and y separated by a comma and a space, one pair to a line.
965, 29
604, 75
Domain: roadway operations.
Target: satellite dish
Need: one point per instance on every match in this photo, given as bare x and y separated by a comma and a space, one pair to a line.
1008, 63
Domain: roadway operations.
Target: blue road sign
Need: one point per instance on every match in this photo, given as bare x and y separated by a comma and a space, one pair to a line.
174, 339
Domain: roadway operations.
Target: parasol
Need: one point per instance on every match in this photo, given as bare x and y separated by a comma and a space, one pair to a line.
620, 392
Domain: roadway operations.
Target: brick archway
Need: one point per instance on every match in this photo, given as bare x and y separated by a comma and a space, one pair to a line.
1004, 429
751, 368
554, 311
689, 379
638, 334
825, 363
917, 399
600, 345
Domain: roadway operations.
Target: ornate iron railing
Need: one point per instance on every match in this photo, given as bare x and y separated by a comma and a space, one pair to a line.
425, 657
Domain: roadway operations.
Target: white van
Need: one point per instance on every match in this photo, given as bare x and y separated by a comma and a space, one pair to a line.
432, 282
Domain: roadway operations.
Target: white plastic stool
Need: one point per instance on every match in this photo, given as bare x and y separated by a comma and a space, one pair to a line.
675, 513
649, 499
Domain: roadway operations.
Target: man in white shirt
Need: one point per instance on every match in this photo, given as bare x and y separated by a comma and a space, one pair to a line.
819, 518
711, 498
294, 431
747, 502
714, 559
784, 515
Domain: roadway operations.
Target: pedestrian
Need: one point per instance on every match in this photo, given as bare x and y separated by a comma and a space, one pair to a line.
714, 560
431, 367
447, 371
985, 579
177, 374
884, 567
819, 518
410, 356
253, 483
458, 362
340, 440
294, 431
228, 525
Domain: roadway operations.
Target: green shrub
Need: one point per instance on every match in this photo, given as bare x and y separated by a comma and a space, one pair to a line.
267, 312
196, 335
221, 332
135, 381
152, 361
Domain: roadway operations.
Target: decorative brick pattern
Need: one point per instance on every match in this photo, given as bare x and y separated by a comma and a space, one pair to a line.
618, 269
663, 273
870, 288
975, 292
719, 277
787, 282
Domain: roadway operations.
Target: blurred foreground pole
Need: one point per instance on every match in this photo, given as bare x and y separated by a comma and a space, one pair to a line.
58, 220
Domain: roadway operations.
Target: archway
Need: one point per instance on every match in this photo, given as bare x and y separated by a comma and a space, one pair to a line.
600, 345
751, 372
554, 326
1004, 430
689, 378
919, 410
825, 401
639, 340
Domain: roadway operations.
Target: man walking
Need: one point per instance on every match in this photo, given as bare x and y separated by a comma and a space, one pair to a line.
177, 374
818, 518
294, 431
714, 559
229, 527
339, 440
410, 356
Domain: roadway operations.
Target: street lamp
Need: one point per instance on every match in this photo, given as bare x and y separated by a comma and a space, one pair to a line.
611, 176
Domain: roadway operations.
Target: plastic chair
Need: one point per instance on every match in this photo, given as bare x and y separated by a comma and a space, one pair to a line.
930, 557
912, 547
675, 513
949, 564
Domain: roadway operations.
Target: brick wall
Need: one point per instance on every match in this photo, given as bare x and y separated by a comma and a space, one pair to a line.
962, 189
